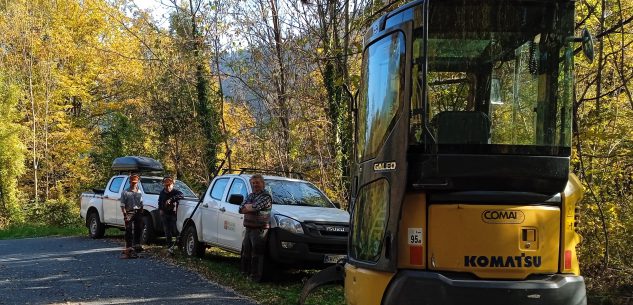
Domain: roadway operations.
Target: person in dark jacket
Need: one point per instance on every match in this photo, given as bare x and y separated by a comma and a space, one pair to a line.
167, 205
132, 209
256, 209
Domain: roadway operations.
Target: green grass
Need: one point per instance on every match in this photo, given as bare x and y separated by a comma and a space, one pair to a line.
39, 230
223, 267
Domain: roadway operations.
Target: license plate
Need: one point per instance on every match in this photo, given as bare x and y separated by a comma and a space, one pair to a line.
333, 259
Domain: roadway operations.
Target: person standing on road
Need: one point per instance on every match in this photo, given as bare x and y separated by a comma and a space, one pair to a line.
132, 208
167, 205
256, 209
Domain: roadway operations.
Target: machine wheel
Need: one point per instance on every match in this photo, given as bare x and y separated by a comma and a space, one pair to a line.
148, 230
192, 246
96, 229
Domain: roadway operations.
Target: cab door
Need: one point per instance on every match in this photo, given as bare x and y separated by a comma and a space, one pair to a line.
111, 201
230, 224
209, 210
381, 149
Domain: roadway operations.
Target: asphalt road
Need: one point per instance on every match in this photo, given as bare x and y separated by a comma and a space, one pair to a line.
79, 270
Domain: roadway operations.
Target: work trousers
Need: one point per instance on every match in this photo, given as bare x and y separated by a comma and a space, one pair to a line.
133, 228
253, 252
169, 226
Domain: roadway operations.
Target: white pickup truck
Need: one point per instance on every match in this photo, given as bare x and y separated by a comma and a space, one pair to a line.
307, 229
101, 208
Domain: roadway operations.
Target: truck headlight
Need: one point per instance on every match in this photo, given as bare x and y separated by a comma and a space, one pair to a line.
289, 224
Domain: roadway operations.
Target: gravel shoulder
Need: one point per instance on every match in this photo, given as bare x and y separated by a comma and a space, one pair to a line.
79, 270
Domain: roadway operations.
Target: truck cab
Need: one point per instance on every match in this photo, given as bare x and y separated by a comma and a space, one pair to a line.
307, 229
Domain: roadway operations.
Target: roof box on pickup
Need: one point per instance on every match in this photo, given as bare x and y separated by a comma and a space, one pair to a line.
136, 164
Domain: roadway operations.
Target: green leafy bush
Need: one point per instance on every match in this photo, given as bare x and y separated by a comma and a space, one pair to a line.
60, 213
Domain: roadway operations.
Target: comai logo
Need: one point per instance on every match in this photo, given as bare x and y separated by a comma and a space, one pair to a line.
502, 216
518, 261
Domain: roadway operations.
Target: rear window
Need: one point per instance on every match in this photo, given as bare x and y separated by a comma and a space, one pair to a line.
296, 193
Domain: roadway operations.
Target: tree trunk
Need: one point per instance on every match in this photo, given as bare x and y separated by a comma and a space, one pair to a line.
205, 113
284, 115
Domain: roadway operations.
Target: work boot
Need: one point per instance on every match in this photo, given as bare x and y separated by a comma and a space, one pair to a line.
245, 266
124, 254
133, 254
138, 248
128, 253
257, 268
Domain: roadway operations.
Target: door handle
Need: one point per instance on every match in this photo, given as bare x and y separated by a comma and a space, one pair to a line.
222, 209
205, 205
106, 196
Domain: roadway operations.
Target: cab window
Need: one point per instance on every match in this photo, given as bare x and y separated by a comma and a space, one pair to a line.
237, 187
116, 185
370, 220
218, 188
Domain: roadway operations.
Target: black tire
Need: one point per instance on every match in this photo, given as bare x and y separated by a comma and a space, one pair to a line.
192, 246
147, 236
96, 229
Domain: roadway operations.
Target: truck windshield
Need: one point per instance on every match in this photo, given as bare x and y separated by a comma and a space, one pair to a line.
499, 78
154, 186
296, 193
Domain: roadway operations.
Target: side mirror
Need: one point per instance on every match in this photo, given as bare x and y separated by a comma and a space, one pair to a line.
236, 199
337, 205
587, 44
352, 97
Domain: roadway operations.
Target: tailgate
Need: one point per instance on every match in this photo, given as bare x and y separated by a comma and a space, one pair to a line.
494, 241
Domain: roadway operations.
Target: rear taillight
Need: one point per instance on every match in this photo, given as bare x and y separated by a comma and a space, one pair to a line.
568, 259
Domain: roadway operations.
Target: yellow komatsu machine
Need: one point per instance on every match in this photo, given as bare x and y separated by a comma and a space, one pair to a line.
461, 192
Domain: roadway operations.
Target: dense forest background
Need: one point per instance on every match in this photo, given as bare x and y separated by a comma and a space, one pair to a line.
85, 81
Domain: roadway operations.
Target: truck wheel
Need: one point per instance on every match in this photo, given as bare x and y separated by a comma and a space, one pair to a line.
96, 229
193, 247
148, 230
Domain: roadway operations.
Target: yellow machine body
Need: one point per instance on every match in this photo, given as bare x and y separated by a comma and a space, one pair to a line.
489, 241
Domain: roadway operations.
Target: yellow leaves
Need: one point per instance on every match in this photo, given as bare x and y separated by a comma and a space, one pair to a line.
67, 55
239, 124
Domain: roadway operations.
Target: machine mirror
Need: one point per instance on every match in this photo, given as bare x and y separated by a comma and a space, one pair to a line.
587, 45
352, 97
